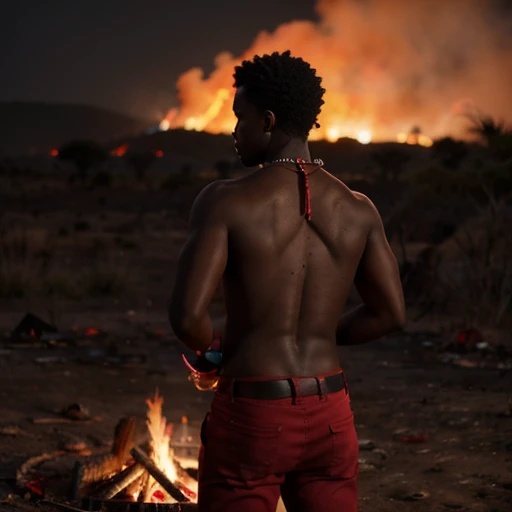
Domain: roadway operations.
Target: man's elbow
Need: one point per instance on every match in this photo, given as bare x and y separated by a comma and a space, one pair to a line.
182, 322
397, 320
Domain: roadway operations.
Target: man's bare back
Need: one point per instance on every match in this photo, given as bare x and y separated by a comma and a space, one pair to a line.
288, 279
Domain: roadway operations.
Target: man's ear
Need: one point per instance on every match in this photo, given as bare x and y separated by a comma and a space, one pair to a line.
270, 121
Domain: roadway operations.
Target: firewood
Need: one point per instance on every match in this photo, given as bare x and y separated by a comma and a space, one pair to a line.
102, 468
60, 506
76, 481
134, 490
120, 481
158, 475
22, 475
67, 421
185, 474
123, 438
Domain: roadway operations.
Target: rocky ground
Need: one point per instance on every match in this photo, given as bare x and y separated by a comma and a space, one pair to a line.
434, 424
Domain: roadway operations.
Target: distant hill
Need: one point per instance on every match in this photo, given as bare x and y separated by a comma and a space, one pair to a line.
200, 146
36, 128
345, 155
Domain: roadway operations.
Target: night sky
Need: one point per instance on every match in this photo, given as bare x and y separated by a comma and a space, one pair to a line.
125, 55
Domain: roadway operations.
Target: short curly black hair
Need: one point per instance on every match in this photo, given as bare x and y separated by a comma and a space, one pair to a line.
286, 85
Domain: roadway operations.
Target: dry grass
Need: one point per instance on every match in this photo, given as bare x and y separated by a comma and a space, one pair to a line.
28, 267
475, 270
22, 260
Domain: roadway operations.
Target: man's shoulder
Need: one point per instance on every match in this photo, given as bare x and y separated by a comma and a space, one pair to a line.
215, 199
359, 206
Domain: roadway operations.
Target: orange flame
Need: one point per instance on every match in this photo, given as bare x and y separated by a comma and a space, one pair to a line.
162, 453
387, 65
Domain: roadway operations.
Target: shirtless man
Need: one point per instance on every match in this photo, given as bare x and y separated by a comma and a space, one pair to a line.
288, 241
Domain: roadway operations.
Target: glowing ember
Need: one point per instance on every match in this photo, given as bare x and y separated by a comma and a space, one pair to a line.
159, 153
54, 152
119, 151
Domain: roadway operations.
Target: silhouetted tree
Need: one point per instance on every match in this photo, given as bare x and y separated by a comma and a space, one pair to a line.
486, 127
390, 161
450, 152
495, 134
84, 154
140, 163
223, 168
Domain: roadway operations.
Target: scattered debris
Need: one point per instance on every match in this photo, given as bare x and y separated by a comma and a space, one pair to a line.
468, 339
414, 439
406, 436
23, 473
417, 496
10, 429
73, 413
76, 412
466, 363
366, 445
50, 360
31, 327
364, 467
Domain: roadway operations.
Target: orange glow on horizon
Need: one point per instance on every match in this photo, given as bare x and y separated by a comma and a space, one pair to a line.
377, 82
120, 151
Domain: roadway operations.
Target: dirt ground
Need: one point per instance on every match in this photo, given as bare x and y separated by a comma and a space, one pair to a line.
434, 435
435, 426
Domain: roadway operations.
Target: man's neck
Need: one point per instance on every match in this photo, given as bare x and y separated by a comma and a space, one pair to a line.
293, 148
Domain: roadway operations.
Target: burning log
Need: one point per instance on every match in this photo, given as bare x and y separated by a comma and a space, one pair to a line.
120, 481
185, 474
158, 475
76, 481
123, 438
101, 469
124, 434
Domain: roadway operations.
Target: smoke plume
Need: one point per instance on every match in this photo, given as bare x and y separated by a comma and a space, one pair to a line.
387, 66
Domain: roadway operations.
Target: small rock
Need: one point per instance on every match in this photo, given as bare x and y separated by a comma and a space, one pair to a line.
417, 496
382, 454
76, 412
366, 468
366, 444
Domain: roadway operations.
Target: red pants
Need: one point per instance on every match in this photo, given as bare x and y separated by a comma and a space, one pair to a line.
304, 449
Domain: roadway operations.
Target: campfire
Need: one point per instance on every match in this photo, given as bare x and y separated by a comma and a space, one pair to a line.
143, 471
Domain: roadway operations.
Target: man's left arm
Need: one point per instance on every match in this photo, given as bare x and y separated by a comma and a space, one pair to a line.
200, 267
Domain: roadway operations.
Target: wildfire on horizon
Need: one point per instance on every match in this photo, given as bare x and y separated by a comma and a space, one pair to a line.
386, 65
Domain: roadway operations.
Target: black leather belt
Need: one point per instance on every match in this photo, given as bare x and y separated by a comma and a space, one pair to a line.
286, 388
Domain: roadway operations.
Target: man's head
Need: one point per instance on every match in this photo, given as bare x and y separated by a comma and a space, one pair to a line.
278, 98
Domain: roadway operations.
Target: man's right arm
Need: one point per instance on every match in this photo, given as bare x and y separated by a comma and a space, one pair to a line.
378, 282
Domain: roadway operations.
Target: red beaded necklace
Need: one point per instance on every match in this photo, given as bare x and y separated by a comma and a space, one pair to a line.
300, 164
